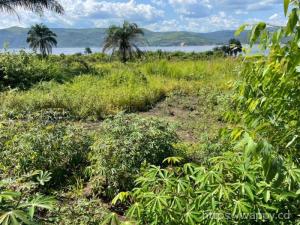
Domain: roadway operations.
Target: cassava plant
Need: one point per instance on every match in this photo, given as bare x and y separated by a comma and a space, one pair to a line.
126, 143
268, 97
257, 182
20, 200
233, 188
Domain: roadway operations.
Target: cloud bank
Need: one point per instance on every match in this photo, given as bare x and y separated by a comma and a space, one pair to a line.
158, 15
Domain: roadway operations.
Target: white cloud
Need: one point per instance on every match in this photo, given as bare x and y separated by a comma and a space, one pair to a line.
216, 22
219, 21
82, 13
165, 25
191, 8
246, 5
159, 2
240, 12
162, 15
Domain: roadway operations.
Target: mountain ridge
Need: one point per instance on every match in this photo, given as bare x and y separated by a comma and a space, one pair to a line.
15, 37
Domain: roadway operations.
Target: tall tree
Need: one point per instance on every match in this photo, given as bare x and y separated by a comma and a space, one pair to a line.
41, 38
32, 5
123, 39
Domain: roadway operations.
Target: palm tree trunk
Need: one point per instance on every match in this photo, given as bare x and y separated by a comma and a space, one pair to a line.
123, 52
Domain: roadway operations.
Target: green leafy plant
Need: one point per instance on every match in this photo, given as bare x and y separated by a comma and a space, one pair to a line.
38, 6
20, 201
257, 181
81, 210
126, 143
267, 98
124, 39
59, 148
234, 187
23, 70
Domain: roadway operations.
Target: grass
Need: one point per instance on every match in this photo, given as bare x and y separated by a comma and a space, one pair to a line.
133, 87
190, 95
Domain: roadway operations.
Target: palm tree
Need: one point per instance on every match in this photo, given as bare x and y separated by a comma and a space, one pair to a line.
41, 38
32, 5
124, 40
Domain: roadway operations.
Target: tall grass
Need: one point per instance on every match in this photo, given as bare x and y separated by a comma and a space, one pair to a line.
132, 87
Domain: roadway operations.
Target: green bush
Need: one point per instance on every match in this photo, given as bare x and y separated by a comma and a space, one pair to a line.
234, 188
81, 211
126, 142
268, 97
27, 146
23, 70
257, 182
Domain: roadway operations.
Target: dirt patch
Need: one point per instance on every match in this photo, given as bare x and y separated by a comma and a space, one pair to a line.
196, 117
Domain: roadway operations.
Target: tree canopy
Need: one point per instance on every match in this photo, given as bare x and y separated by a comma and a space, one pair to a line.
124, 39
41, 38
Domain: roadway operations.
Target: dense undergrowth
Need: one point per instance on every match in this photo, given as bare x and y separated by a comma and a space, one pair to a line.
69, 132
255, 180
133, 87
47, 109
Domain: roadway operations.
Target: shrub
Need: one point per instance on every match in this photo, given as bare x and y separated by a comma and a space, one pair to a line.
23, 70
234, 188
26, 146
268, 97
81, 211
126, 143
258, 182
21, 202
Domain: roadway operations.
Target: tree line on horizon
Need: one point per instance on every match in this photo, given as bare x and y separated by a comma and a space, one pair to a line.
121, 39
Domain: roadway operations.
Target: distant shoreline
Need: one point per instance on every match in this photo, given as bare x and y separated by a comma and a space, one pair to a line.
70, 51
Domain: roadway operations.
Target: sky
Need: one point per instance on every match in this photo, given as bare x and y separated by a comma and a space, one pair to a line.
156, 15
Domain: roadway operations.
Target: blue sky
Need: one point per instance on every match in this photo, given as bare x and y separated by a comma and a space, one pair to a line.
156, 15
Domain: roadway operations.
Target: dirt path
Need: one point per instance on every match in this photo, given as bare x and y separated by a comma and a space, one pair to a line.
195, 117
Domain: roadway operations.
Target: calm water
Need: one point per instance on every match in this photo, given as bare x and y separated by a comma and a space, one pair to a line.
69, 51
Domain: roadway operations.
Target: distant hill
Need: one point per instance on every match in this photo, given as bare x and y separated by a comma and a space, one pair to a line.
93, 37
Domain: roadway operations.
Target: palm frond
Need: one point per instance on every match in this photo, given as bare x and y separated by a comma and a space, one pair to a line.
41, 38
123, 39
32, 5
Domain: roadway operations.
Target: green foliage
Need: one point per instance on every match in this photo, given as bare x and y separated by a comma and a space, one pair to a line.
126, 143
234, 187
83, 211
41, 38
25, 146
235, 46
20, 201
268, 96
133, 87
24, 70
88, 50
181, 56
258, 180
124, 39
